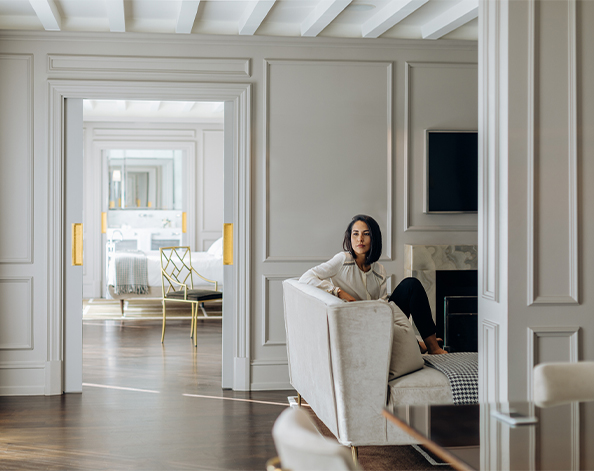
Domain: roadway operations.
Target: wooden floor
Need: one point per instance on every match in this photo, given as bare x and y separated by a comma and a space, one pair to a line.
144, 406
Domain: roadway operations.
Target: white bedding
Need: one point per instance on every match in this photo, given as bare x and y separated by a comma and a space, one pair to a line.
209, 264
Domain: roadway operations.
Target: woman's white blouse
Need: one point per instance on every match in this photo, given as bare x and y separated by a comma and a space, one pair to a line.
342, 272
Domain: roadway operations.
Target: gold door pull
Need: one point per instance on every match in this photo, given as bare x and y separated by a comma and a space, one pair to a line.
228, 244
77, 244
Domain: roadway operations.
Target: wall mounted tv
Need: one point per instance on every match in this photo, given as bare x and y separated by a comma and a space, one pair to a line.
452, 172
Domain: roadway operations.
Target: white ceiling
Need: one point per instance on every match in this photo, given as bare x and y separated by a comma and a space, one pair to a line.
153, 111
406, 19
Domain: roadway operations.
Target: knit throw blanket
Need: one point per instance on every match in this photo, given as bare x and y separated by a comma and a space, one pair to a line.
131, 273
462, 371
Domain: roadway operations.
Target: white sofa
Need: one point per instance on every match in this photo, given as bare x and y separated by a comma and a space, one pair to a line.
341, 356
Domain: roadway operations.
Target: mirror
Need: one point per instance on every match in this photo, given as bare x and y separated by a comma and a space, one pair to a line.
144, 179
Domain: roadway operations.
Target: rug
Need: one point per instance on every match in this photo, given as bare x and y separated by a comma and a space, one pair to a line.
390, 458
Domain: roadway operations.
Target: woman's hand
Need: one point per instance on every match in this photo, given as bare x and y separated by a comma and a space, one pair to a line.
345, 296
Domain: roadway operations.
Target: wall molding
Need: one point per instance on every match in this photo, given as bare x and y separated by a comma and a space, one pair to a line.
572, 334
489, 349
233, 40
265, 315
190, 67
152, 134
534, 294
408, 158
28, 345
489, 137
388, 238
237, 93
29, 157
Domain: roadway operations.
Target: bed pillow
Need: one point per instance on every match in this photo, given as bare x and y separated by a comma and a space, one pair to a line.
406, 355
216, 248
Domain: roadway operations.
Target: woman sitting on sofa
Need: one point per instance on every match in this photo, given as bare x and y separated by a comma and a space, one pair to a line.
355, 275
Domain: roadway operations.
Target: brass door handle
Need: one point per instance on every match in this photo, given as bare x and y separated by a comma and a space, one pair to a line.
228, 244
77, 244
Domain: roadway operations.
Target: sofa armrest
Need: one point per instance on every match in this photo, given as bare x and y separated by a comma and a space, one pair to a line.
360, 348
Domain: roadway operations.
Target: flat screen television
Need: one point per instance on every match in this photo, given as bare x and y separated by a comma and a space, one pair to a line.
452, 172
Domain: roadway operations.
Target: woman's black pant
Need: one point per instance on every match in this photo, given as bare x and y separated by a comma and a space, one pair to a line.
411, 298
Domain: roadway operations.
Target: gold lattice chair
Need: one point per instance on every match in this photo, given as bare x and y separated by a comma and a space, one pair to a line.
177, 281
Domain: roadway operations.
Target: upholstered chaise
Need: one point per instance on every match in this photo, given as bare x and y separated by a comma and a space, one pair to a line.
342, 358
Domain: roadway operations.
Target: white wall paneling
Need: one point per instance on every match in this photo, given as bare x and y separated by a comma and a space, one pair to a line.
210, 180
438, 95
16, 163
488, 217
16, 295
555, 344
317, 166
273, 319
270, 375
489, 362
240, 95
552, 157
187, 67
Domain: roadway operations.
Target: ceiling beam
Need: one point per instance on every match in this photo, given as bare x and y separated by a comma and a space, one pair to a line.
116, 16
47, 12
392, 14
187, 16
458, 15
188, 105
254, 16
322, 16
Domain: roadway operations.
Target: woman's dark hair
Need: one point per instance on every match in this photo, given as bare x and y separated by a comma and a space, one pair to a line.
376, 238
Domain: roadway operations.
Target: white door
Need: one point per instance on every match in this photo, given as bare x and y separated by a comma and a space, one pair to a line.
73, 155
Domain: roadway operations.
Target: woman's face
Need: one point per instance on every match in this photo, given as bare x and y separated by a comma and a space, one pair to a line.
360, 238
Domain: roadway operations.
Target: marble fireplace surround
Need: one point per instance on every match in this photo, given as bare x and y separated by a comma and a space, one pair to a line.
422, 261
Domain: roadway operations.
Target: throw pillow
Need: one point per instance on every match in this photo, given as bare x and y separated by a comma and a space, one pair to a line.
406, 356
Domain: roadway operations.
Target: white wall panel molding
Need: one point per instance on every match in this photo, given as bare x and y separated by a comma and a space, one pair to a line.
270, 374
552, 233
16, 166
409, 158
21, 365
567, 348
189, 67
237, 93
153, 134
489, 138
278, 337
387, 230
489, 373
16, 296
211, 190
562, 345
229, 41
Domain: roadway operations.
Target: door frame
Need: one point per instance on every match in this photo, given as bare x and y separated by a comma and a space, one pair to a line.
236, 94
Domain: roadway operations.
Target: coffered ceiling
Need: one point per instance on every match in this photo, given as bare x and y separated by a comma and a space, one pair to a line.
406, 19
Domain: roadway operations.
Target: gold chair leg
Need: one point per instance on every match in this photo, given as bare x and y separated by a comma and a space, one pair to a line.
192, 323
355, 453
163, 331
196, 326
299, 399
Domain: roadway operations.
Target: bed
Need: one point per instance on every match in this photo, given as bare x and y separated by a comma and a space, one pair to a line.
209, 264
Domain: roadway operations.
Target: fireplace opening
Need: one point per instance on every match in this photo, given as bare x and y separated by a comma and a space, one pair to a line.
456, 309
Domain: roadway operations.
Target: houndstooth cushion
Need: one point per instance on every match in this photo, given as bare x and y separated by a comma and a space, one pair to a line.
462, 371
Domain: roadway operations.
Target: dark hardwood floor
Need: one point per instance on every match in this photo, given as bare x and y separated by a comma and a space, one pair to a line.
144, 406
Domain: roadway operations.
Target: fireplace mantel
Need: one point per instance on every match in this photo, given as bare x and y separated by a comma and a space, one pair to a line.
422, 261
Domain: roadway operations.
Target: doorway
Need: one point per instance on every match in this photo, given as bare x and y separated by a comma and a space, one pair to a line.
236, 342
